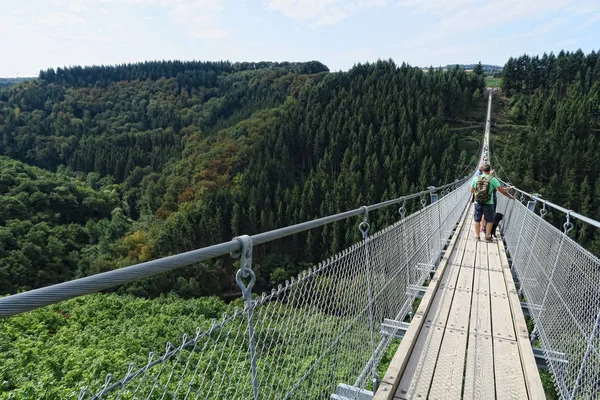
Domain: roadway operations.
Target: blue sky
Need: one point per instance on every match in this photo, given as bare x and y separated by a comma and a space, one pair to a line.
36, 34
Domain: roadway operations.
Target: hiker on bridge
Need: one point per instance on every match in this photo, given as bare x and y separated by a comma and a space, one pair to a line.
483, 188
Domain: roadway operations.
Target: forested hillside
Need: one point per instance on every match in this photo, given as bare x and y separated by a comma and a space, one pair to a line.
551, 144
103, 167
5, 82
145, 160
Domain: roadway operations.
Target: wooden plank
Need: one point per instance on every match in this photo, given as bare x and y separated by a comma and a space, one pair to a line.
459, 311
479, 372
392, 377
448, 377
494, 258
533, 382
502, 325
510, 383
481, 255
481, 281
497, 285
440, 307
449, 279
469, 257
465, 278
455, 257
481, 318
416, 381
413, 363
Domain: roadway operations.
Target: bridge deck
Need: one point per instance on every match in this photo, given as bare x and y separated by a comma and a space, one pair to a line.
468, 339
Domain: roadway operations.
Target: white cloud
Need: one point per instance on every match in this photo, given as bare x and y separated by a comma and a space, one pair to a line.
321, 12
199, 18
210, 33
594, 19
59, 18
487, 18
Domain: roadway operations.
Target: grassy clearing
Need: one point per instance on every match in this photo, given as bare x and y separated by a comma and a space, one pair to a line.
492, 82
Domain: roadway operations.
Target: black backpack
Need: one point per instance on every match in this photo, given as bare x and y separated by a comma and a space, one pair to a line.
482, 189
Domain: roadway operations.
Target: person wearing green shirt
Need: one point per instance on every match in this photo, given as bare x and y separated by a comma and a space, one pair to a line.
487, 209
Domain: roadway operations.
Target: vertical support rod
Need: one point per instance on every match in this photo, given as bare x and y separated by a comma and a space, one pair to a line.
526, 266
514, 256
364, 230
246, 271
585, 357
533, 335
402, 212
554, 265
440, 247
507, 218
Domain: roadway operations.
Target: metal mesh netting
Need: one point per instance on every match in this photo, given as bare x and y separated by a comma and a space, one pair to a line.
311, 334
561, 284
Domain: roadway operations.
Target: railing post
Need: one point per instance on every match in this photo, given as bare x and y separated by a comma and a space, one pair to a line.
402, 212
440, 247
364, 230
514, 255
432, 194
531, 204
245, 272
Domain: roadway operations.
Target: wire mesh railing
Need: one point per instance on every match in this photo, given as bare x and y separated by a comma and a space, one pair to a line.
560, 282
306, 337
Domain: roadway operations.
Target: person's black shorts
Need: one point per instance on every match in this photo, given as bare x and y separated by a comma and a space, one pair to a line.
486, 210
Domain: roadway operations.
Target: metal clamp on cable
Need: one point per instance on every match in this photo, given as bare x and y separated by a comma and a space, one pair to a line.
402, 209
543, 211
423, 201
568, 226
245, 270
364, 225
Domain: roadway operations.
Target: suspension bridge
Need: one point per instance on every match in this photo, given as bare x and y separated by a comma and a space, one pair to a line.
324, 333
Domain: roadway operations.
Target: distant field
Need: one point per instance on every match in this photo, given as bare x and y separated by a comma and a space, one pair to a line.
492, 82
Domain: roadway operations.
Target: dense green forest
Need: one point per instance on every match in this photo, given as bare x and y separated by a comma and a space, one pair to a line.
107, 166
103, 167
135, 169
550, 140
5, 82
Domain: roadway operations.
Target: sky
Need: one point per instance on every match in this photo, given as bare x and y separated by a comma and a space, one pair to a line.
38, 34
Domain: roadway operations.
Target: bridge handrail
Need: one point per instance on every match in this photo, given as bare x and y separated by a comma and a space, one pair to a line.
30, 300
560, 282
537, 197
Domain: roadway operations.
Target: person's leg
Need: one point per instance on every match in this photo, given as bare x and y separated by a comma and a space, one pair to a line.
478, 215
483, 223
488, 212
488, 230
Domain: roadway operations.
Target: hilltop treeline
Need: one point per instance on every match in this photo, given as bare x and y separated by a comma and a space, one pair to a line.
190, 73
556, 100
170, 167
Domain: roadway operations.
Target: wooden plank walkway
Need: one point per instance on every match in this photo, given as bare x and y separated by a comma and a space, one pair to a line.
468, 339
